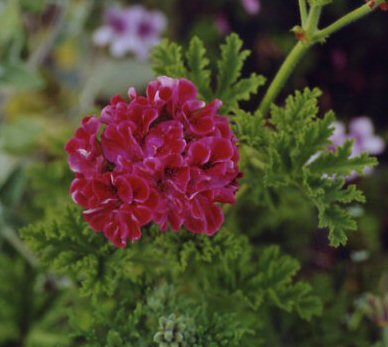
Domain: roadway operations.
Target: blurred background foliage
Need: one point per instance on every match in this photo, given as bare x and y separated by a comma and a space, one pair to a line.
51, 75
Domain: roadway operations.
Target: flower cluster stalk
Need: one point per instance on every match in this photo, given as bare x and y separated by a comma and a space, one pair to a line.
303, 11
312, 35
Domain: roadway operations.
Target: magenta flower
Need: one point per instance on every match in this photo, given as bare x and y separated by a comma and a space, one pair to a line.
130, 30
166, 157
251, 7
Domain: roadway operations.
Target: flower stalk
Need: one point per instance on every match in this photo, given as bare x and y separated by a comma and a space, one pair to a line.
303, 12
312, 35
345, 20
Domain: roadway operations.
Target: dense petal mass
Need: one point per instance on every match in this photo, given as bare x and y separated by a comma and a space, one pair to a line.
84, 150
166, 158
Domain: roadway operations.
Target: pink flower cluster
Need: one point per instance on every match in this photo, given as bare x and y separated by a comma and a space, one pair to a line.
132, 29
166, 157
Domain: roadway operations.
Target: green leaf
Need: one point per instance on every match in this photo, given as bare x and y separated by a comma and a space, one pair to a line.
315, 137
339, 222
21, 136
114, 339
167, 60
198, 64
341, 163
12, 189
299, 156
276, 270
11, 32
276, 274
300, 109
308, 305
20, 76
230, 64
66, 244
280, 167
330, 195
231, 88
251, 130
243, 90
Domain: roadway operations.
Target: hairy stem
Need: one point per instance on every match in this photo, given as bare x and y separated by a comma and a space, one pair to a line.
282, 76
313, 21
303, 12
345, 20
313, 35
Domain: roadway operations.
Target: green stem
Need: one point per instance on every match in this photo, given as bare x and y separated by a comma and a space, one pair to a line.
14, 240
345, 20
303, 12
385, 337
313, 21
282, 76
313, 35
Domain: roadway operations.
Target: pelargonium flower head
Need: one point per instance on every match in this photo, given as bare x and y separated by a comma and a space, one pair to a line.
165, 157
130, 30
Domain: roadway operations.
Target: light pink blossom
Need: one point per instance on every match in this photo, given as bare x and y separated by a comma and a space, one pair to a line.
362, 132
130, 30
252, 7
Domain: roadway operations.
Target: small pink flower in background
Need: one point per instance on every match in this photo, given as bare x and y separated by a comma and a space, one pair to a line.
251, 7
361, 130
339, 136
339, 59
222, 24
130, 30
166, 157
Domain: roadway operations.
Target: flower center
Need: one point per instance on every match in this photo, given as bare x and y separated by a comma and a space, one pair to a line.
170, 172
145, 29
207, 166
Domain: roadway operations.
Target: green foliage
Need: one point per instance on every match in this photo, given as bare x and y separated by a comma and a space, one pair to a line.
340, 163
181, 289
50, 182
295, 153
14, 73
230, 87
276, 273
128, 290
32, 307
70, 247
198, 63
167, 59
